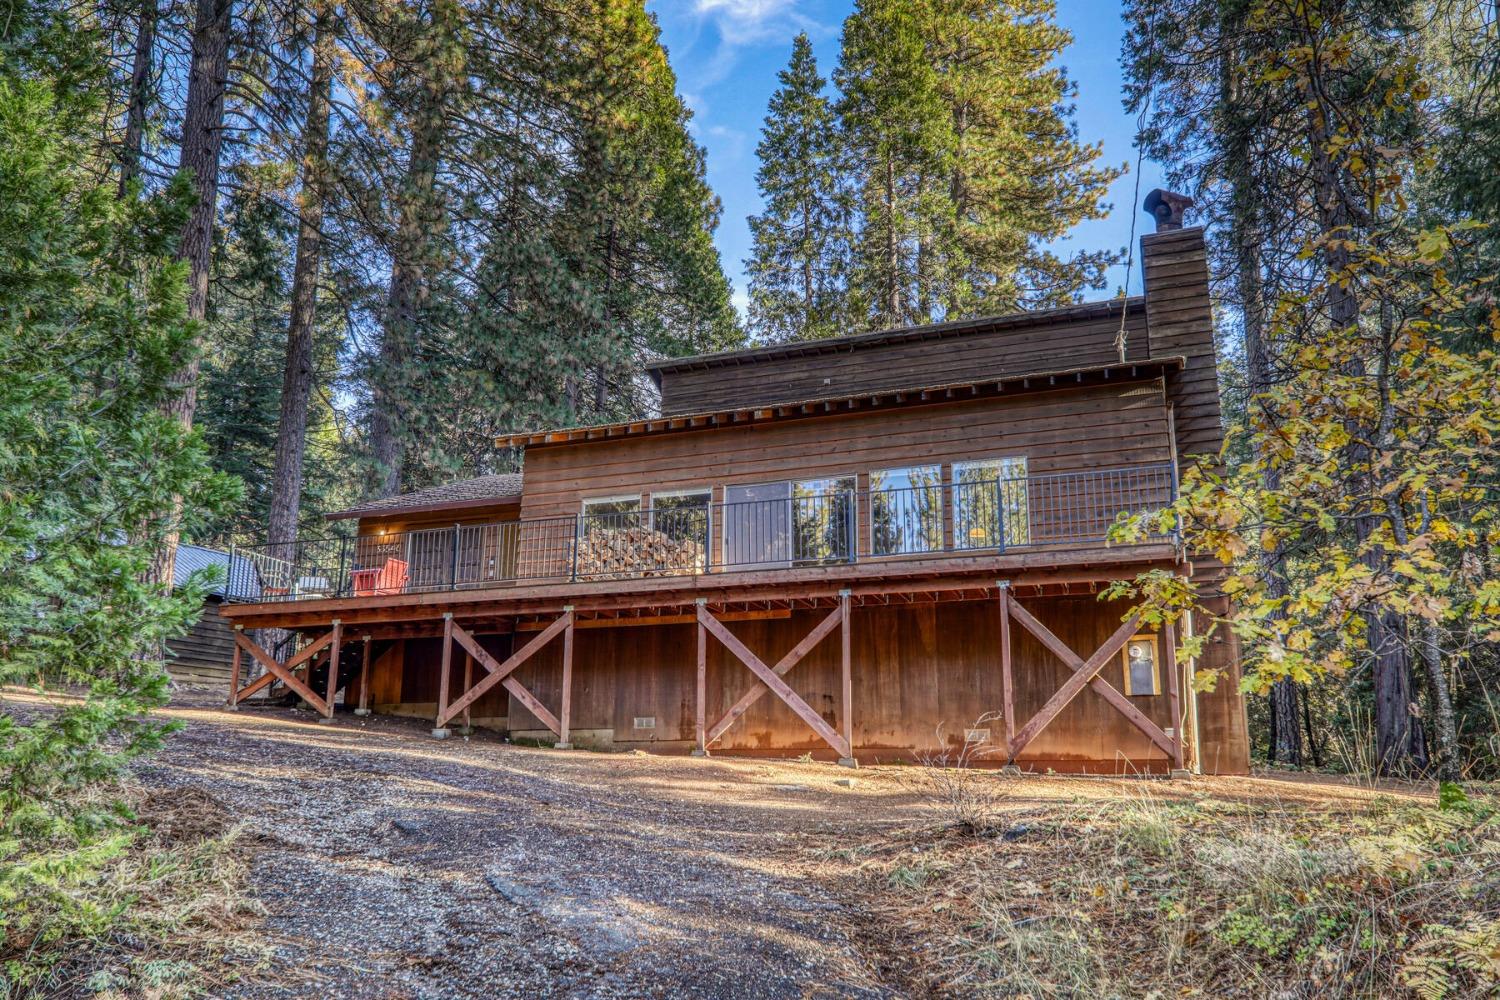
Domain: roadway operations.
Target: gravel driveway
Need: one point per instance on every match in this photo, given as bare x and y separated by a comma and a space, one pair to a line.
395, 866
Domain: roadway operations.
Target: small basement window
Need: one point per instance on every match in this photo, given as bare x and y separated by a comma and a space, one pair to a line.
1142, 678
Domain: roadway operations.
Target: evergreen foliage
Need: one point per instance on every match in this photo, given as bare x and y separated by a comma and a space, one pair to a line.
799, 285
92, 325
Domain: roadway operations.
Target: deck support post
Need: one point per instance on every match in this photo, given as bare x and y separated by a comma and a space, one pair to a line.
1007, 675
565, 717
770, 679
364, 679
285, 673
501, 673
439, 730
234, 674
847, 678
333, 671
1085, 674
1174, 695
468, 726
700, 718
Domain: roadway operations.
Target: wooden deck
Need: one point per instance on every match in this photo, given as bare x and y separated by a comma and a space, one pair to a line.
908, 578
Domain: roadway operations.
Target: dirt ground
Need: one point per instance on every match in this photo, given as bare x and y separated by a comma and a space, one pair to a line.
393, 866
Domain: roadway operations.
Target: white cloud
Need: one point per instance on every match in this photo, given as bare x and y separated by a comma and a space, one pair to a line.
744, 22
741, 302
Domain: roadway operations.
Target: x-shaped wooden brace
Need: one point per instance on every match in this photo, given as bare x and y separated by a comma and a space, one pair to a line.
500, 673
770, 678
1085, 672
285, 672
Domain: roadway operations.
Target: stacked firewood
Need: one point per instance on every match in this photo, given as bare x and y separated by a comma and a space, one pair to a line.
606, 554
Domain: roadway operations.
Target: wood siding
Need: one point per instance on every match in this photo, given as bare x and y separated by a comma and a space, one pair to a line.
402, 521
922, 675
205, 654
1004, 350
1062, 430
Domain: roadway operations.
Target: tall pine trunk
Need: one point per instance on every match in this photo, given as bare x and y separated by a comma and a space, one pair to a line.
140, 92
1245, 236
297, 378
1399, 745
202, 143
393, 382
892, 290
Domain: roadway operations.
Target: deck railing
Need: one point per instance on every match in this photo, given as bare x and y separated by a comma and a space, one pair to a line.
797, 530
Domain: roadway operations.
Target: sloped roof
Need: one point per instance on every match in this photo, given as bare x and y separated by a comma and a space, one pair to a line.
477, 492
241, 574
926, 331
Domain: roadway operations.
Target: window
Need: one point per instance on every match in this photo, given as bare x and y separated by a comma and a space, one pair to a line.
1141, 675
611, 513
906, 510
683, 518
779, 524
990, 504
823, 520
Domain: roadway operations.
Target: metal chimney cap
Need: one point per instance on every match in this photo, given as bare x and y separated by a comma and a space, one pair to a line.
1167, 208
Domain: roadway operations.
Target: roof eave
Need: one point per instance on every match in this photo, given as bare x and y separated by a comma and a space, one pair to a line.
828, 406
425, 508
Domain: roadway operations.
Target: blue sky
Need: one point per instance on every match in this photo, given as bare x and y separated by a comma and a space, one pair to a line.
727, 52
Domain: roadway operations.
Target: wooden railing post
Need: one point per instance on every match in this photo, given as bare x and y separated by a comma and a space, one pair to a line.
440, 731
364, 680
848, 681
1174, 696
234, 675
565, 716
1007, 677
700, 718
333, 671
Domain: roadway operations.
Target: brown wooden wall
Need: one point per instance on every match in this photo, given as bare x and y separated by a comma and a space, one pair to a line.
922, 674
205, 653
399, 521
1011, 346
1061, 430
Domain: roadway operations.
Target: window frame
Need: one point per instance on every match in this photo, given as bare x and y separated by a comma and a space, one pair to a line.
1129, 687
584, 523
707, 492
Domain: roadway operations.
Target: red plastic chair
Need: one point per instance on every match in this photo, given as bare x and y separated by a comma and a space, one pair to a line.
389, 579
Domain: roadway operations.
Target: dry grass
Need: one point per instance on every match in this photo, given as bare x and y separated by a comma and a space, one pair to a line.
1165, 895
180, 922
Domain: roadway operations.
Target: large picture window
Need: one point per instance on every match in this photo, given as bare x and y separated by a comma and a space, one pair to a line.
990, 508
781, 524
906, 510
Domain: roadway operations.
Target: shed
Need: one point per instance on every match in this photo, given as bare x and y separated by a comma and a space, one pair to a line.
205, 653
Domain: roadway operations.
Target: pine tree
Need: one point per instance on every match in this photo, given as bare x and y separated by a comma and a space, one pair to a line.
93, 328
967, 158
799, 288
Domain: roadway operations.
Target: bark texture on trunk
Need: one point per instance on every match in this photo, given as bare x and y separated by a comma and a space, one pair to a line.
140, 93
297, 378
420, 217
202, 143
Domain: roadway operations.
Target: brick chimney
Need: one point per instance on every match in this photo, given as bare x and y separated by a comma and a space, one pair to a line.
1180, 320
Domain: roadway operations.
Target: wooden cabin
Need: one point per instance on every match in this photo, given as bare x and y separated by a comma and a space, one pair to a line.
876, 547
